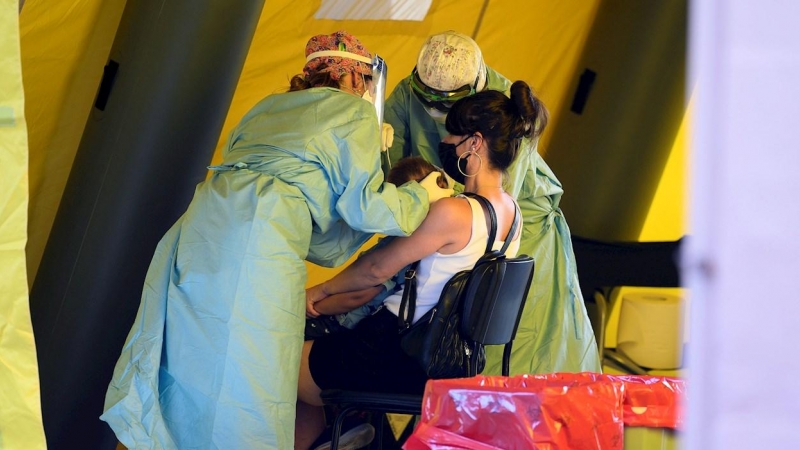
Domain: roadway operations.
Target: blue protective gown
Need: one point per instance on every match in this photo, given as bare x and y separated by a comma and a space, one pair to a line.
212, 360
554, 333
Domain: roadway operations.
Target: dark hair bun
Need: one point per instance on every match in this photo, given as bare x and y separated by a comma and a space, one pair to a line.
532, 112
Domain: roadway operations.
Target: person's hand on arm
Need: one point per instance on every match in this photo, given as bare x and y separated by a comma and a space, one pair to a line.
314, 294
342, 303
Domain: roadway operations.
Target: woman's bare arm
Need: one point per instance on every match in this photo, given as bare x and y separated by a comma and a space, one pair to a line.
448, 225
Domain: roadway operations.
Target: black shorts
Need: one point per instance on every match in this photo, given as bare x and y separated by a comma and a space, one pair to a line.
367, 358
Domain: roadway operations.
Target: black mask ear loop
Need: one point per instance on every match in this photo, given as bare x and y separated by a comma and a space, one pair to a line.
450, 160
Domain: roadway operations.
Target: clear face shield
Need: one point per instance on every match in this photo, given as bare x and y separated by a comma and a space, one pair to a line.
378, 92
378, 86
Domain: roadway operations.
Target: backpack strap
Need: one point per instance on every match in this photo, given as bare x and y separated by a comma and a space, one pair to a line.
409, 301
512, 231
487, 205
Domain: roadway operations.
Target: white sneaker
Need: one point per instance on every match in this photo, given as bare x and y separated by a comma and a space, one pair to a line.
355, 438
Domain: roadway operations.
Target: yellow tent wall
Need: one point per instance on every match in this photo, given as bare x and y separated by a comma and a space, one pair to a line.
20, 414
64, 48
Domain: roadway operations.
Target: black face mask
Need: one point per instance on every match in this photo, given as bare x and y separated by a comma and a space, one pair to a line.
451, 162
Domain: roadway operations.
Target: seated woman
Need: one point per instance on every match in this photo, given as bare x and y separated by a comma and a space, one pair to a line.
345, 310
485, 130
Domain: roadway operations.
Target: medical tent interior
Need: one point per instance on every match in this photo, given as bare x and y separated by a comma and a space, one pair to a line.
112, 110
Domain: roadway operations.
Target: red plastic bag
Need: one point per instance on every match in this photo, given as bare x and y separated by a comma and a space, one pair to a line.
647, 401
652, 401
427, 437
553, 412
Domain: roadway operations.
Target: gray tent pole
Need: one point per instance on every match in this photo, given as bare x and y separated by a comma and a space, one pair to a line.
158, 114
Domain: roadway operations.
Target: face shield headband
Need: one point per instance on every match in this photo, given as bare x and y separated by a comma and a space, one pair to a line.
377, 87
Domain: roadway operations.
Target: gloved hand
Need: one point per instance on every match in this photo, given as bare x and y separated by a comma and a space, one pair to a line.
434, 191
451, 183
387, 137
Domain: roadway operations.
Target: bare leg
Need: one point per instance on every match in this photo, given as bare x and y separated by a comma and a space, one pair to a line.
310, 420
309, 424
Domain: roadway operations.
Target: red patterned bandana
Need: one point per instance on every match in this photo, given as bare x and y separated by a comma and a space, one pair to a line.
325, 55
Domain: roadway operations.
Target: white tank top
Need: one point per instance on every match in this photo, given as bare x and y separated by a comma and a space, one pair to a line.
436, 269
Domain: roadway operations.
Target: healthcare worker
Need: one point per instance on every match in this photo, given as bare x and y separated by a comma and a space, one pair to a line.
212, 360
554, 333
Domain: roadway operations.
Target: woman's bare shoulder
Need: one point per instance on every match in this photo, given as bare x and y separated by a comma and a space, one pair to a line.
448, 215
452, 207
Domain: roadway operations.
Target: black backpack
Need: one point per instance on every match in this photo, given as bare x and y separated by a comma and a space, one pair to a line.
439, 340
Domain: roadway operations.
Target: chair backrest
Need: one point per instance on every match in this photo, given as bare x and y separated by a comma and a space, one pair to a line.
494, 299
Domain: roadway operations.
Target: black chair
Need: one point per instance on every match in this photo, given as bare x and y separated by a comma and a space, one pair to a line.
490, 316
